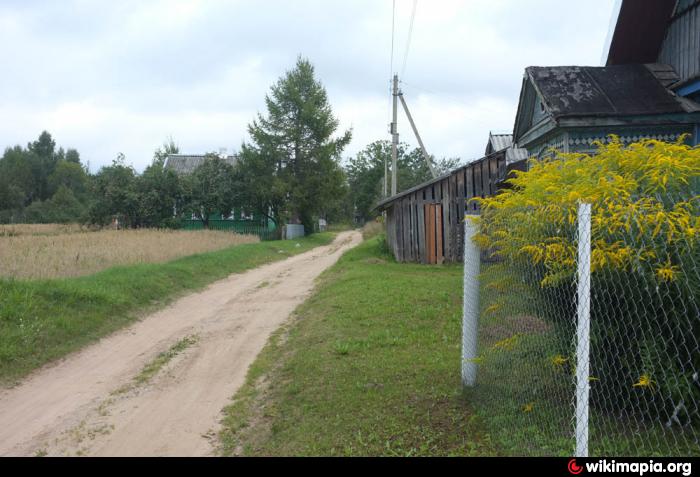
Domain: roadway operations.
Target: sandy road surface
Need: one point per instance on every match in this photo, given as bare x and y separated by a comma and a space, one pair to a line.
88, 404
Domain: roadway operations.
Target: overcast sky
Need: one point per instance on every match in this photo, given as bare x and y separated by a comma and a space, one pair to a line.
106, 77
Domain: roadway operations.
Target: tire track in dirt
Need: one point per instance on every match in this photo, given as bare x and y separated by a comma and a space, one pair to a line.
87, 404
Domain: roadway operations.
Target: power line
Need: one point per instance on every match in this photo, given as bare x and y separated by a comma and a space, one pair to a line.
391, 61
393, 23
408, 40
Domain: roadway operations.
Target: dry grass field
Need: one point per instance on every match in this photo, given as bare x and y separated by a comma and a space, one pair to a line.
52, 251
15, 230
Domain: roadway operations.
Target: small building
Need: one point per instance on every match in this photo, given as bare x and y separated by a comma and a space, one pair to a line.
238, 219
425, 224
516, 158
647, 89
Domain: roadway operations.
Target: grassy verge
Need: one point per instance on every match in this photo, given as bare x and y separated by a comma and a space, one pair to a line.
525, 396
370, 367
45, 319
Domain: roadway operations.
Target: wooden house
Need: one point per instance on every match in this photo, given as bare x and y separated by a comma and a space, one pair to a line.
424, 224
647, 89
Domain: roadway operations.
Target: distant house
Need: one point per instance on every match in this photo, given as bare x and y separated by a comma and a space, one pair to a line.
187, 163
184, 164
515, 158
647, 89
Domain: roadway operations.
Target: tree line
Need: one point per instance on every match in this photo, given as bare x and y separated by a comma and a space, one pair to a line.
291, 171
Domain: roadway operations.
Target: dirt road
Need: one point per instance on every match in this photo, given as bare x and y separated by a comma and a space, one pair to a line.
91, 404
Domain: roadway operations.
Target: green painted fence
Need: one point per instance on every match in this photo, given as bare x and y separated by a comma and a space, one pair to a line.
245, 227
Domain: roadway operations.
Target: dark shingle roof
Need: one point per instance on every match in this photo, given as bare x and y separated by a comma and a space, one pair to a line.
623, 90
187, 163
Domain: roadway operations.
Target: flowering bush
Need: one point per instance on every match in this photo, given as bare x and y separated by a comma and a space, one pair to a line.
645, 261
645, 208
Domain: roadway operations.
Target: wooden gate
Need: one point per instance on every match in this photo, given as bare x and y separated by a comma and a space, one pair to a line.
433, 233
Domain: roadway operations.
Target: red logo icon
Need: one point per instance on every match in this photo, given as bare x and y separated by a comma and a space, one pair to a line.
575, 468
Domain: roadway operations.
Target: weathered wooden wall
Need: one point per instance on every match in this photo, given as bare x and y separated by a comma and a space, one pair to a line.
681, 47
406, 215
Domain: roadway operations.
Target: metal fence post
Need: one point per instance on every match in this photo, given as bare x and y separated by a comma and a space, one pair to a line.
583, 328
470, 315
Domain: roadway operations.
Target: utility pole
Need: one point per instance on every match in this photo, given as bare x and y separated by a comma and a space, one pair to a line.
394, 136
415, 131
386, 175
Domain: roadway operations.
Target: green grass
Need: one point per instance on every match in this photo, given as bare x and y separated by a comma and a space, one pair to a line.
46, 319
526, 403
152, 368
370, 366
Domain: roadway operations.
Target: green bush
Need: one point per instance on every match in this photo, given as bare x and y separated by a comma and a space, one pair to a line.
645, 299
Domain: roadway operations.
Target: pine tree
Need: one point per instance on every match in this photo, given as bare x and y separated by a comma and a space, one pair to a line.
291, 169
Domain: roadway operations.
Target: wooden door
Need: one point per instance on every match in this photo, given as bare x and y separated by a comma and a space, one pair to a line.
433, 234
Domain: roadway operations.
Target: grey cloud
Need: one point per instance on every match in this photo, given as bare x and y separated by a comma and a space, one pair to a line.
158, 68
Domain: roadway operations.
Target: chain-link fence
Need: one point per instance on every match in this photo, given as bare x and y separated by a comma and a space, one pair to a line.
588, 327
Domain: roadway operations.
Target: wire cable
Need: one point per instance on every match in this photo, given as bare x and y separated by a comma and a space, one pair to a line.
391, 61
408, 40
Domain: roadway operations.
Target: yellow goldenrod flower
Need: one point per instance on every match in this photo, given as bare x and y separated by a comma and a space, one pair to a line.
645, 381
529, 407
507, 344
667, 273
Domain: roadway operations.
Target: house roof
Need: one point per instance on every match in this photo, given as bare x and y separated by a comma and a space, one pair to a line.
187, 163
624, 90
498, 142
639, 31
516, 154
388, 200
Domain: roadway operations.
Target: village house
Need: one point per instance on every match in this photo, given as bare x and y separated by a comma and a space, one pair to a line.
648, 88
187, 163
183, 164
424, 224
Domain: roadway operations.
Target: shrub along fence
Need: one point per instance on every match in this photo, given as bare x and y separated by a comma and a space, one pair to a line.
244, 227
588, 289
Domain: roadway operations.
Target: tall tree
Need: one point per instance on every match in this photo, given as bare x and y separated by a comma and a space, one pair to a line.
161, 154
44, 147
43, 162
114, 188
17, 169
210, 189
68, 174
291, 171
159, 190
72, 156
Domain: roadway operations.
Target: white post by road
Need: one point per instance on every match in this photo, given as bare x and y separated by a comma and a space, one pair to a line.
583, 329
470, 315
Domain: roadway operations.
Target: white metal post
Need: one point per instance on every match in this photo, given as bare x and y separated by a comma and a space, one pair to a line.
470, 315
583, 329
